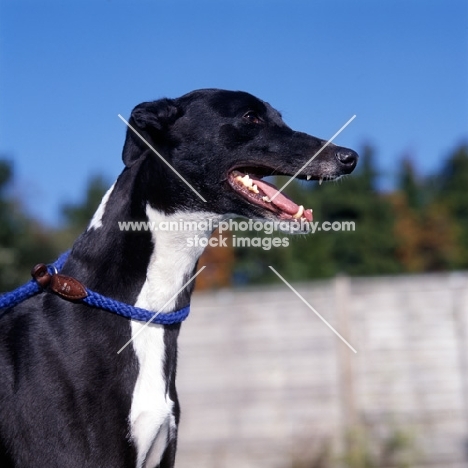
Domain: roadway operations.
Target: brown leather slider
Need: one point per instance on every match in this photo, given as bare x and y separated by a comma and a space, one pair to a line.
67, 287
41, 275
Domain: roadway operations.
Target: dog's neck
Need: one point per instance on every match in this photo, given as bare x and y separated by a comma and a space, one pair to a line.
173, 261
146, 267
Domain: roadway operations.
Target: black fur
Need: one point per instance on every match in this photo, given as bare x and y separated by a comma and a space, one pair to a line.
65, 394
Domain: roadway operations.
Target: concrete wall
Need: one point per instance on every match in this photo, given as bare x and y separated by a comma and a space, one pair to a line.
263, 380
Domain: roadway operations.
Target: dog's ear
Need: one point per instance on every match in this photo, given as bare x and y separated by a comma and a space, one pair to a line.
150, 120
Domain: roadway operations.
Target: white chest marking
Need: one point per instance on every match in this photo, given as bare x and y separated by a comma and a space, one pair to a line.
172, 261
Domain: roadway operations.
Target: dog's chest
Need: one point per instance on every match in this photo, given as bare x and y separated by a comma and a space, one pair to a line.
152, 420
170, 267
151, 415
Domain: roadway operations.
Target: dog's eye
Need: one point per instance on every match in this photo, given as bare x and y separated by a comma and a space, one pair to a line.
252, 117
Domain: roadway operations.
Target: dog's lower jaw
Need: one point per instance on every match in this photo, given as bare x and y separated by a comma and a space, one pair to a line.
172, 264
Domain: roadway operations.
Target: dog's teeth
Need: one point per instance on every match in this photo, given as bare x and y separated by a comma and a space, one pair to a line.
266, 199
247, 181
299, 213
254, 189
309, 177
321, 180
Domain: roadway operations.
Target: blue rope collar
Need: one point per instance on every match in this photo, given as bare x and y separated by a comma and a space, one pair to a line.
48, 279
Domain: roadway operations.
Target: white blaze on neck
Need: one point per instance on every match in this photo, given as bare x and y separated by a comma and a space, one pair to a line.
96, 221
171, 264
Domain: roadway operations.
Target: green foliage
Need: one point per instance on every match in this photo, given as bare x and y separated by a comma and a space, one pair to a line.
451, 193
366, 450
78, 215
364, 447
23, 241
409, 184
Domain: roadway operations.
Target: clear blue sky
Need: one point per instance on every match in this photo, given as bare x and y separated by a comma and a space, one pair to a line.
69, 67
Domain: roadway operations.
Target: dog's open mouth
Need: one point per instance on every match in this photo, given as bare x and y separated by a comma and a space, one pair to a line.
267, 196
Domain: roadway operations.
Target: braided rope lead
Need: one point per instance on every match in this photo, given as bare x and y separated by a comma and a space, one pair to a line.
136, 313
20, 294
94, 299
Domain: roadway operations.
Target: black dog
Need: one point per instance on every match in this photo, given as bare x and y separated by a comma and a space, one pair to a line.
67, 399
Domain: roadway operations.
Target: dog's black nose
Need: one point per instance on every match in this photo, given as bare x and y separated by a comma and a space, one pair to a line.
347, 158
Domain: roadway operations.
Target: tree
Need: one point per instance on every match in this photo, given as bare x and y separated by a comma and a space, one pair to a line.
24, 242
450, 191
78, 215
409, 183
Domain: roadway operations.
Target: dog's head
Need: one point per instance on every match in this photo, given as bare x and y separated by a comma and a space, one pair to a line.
218, 146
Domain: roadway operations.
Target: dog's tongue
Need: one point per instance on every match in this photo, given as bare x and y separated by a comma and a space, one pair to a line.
279, 200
